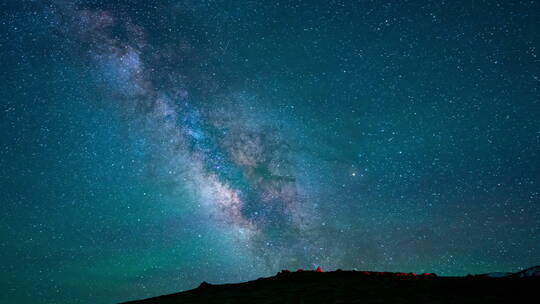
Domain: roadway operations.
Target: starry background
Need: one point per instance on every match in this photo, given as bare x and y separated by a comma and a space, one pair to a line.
146, 146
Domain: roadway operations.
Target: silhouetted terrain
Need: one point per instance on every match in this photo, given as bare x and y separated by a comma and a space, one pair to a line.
365, 287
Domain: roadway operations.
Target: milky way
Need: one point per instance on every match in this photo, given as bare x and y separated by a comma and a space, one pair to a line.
147, 146
237, 168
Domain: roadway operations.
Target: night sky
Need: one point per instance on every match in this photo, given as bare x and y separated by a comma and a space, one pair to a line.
147, 146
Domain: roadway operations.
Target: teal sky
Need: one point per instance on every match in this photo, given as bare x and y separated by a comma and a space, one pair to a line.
147, 146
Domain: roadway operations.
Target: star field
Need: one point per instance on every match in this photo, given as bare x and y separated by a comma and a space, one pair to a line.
147, 146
